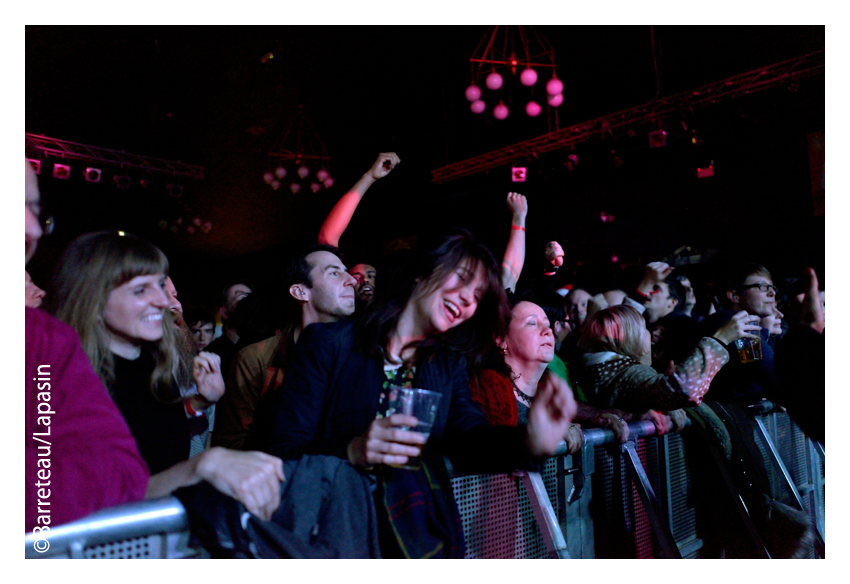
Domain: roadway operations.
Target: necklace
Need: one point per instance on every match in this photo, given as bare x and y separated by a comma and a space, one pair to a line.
521, 394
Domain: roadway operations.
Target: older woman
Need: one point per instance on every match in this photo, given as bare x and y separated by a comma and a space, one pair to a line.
445, 304
616, 346
111, 290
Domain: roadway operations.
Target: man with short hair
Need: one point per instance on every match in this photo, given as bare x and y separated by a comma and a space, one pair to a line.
226, 346
202, 325
33, 295
318, 289
576, 306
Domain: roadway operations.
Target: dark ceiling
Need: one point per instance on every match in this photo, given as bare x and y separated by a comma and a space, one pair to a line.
202, 95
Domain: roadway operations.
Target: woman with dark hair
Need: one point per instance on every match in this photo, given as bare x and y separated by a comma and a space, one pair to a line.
444, 305
111, 290
616, 347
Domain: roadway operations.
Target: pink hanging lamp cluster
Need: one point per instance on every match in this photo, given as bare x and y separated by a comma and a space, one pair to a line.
509, 49
299, 159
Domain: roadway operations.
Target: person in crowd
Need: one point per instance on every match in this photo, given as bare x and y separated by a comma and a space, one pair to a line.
79, 453
445, 305
202, 324
514, 258
340, 216
773, 325
112, 290
686, 302
747, 286
616, 373
317, 289
364, 289
614, 297
227, 344
576, 302
33, 295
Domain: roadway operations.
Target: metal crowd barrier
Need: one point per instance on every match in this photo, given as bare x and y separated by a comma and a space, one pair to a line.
607, 501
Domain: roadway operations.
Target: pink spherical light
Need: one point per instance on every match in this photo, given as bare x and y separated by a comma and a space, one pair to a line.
328, 182
500, 112
322, 174
473, 93
275, 184
532, 109
528, 77
494, 81
303, 171
294, 187
206, 227
555, 100
268, 177
554, 86
315, 187
478, 107
280, 172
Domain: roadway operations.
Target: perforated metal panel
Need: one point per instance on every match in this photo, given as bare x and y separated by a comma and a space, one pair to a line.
136, 548
498, 521
683, 524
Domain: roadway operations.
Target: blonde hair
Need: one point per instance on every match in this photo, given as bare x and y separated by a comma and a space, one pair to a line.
618, 329
91, 268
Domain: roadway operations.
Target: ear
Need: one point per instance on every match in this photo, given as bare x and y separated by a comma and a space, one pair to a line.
222, 312
299, 292
733, 297
675, 301
500, 342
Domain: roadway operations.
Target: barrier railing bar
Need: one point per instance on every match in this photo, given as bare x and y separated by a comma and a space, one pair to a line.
660, 524
547, 522
777, 461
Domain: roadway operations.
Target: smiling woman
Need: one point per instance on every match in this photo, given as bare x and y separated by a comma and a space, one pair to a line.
111, 290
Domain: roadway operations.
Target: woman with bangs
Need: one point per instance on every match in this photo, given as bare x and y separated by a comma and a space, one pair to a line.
442, 307
616, 346
110, 289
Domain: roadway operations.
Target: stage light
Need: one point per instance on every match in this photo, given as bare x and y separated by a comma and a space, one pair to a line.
554, 86
478, 106
532, 109
36, 165
328, 182
518, 173
493, 81
294, 187
303, 171
121, 181
280, 172
500, 112
322, 175
206, 227
268, 177
315, 187
473, 93
275, 184
61, 171
175, 191
92, 174
705, 172
555, 100
657, 138
528, 77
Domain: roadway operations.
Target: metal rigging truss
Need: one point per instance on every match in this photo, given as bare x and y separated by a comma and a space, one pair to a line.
96, 155
785, 72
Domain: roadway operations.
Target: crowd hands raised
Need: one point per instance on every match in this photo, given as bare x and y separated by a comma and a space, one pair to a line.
523, 362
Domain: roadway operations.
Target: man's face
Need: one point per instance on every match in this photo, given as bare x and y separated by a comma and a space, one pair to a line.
577, 306
32, 209
364, 274
234, 295
173, 304
660, 303
332, 294
202, 333
690, 298
33, 295
750, 298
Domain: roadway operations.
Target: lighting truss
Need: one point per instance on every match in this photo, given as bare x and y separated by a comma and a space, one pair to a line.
734, 87
56, 148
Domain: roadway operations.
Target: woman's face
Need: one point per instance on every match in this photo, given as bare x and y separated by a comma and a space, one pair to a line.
450, 304
773, 323
134, 310
529, 336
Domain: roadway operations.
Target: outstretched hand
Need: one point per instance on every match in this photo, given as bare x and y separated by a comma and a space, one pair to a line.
554, 253
549, 417
806, 308
386, 442
385, 162
252, 478
518, 205
653, 274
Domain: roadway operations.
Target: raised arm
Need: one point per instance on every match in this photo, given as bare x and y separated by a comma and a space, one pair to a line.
515, 251
339, 217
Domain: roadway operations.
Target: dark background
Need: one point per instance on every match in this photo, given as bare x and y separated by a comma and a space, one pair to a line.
201, 95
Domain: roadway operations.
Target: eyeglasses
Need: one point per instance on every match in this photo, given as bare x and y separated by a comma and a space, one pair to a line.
761, 286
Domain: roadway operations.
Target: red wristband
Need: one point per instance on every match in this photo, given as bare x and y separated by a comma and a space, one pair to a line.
517, 228
187, 403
